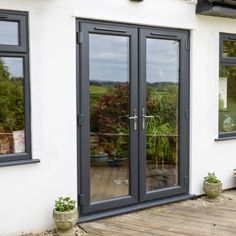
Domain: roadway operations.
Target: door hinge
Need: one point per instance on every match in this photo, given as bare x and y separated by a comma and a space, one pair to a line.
80, 119
186, 182
187, 46
79, 37
81, 199
186, 115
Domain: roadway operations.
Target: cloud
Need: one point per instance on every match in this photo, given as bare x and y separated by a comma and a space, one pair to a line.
9, 33
109, 59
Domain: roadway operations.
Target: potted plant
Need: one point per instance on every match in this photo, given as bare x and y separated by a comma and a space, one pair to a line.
97, 155
212, 186
234, 172
65, 216
120, 152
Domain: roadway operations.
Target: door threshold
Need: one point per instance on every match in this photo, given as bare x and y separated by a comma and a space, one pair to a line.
128, 209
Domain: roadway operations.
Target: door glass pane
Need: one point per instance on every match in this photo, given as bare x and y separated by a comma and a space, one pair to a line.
9, 33
12, 120
229, 48
162, 105
227, 99
109, 109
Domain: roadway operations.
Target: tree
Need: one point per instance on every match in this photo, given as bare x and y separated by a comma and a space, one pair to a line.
11, 101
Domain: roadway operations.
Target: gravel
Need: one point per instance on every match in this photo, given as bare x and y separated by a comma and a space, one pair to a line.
79, 232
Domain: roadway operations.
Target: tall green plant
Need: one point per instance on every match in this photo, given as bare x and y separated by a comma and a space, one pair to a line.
162, 103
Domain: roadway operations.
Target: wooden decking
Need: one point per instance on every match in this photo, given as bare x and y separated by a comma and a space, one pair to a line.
113, 181
108, 182
193, 218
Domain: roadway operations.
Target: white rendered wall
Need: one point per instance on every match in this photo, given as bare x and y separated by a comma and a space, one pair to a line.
28, 192
207, 154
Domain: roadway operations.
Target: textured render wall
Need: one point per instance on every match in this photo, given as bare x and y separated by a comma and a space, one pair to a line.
28, 192
207, 154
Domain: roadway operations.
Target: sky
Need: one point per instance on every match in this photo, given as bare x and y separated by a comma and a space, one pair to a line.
15, 66
109, 59
8, 33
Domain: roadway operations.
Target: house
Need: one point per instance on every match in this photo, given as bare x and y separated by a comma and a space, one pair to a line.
119, 104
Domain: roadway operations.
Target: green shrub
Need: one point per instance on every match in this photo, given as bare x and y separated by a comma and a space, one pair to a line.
109, 106
64, 204
211, 178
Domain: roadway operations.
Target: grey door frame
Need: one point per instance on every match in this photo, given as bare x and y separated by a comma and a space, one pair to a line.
83, 109
182, 36
137, 36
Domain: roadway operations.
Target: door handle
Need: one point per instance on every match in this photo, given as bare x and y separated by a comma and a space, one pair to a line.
144, 117
134, 118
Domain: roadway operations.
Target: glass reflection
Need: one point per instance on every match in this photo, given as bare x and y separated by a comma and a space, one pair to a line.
162, 103
11, 106
9, 33
229, 48
227, 99
109, 109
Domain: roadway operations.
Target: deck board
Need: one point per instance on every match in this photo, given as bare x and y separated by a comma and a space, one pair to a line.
113, 181
190, 218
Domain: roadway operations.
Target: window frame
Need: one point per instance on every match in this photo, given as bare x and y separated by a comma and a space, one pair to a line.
20, 51
22, 19
226, 61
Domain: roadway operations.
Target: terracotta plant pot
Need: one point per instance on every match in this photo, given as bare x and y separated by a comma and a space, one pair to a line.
212, 190
65, 222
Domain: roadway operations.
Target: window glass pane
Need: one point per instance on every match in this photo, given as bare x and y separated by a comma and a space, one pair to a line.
227, 99
229, 48
12, 120
109, 110
162, 101
9, 33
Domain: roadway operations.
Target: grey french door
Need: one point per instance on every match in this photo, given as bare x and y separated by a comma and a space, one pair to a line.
164, 113
133, 106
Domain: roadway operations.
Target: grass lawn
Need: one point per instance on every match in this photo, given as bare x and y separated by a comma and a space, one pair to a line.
96, 92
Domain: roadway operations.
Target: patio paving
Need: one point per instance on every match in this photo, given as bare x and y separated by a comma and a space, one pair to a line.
193, 217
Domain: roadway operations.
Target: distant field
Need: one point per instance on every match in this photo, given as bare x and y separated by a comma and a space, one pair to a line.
95, 89
96, 92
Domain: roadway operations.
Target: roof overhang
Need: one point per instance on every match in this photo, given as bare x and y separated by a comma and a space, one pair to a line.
222, 8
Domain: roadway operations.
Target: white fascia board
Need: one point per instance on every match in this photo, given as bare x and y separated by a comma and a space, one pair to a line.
191, 1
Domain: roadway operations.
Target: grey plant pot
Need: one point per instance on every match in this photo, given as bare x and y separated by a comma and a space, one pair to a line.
65, 222
212, 190
234, 174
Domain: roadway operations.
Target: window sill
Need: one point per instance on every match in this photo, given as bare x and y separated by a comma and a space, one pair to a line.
225, 138
19, 162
